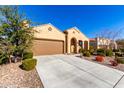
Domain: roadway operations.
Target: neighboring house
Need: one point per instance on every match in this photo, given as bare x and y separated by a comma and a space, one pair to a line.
120, 43
93, 43
120, 46
103, 43
50, 40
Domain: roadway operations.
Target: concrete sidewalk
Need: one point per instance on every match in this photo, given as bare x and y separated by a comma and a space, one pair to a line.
65, 71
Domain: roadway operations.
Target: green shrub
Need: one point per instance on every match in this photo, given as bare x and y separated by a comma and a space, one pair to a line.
115, 50
3, 59
120, 60
17, 52
86, 53
81, 50
27, 55
29, 64
91, 50
0, 53
122, 50
109, 53
118, 54
101, 52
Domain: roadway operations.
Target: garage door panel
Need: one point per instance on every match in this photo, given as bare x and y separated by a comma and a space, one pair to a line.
47, 47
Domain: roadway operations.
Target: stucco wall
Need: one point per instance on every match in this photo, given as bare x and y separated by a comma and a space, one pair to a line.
48, 31
75, 33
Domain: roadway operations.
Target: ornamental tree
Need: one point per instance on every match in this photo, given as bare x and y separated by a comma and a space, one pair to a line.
15, 34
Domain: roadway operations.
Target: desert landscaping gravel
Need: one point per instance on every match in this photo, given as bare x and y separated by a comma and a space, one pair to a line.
106, 62
11, 76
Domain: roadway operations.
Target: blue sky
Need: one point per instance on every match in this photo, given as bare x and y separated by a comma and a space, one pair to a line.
89, 19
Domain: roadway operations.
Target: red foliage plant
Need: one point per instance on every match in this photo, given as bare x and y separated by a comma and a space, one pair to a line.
99, 58
113, 62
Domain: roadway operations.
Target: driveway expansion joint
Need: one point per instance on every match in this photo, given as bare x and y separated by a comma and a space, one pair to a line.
118, 81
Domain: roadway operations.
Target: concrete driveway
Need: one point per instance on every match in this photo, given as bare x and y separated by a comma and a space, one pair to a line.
64, 71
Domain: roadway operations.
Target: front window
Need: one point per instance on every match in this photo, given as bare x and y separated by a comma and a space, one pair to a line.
80, 43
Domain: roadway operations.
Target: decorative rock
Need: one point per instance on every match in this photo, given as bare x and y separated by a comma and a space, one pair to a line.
11, 76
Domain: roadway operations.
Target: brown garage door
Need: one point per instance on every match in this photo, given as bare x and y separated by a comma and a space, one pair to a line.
48, 47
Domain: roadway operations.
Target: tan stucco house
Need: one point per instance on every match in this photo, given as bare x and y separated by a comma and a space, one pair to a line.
50, 40
75, 40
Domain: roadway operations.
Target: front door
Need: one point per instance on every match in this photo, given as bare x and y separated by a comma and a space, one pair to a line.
73, 46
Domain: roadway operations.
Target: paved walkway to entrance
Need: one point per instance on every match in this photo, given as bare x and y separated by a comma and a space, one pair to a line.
65, 71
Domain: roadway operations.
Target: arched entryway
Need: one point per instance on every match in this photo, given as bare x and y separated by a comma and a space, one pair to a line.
86, 45
73, 46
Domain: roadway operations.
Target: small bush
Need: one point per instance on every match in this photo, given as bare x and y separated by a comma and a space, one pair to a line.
115, 50
99, 59
118, 54
29, 64
81, 50
113, 62
101, 52
0, 53
120, 60
3, 59
86, 53
91, 50
122, 50
27, 55
109, 53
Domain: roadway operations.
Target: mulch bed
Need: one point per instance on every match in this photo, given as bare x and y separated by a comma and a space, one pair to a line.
12, 76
